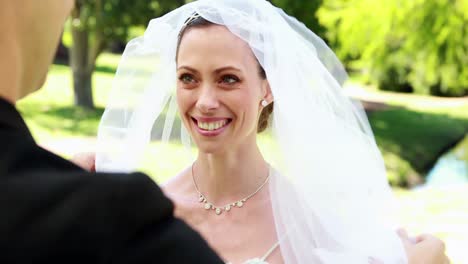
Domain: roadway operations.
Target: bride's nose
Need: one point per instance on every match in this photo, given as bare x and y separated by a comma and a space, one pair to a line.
207, 99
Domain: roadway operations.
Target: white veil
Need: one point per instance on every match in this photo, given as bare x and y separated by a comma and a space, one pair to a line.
330, 196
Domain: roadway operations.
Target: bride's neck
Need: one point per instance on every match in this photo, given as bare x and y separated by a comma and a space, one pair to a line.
231, 175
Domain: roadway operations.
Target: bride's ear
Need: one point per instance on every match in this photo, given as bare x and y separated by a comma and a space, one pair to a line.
266, 91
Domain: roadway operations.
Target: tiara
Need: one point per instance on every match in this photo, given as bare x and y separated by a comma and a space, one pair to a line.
189, 20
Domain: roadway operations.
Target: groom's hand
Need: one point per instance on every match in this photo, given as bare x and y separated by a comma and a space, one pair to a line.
423, 249
85, 160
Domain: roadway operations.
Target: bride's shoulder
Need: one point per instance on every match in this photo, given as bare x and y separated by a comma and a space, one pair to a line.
177, 185
179, 189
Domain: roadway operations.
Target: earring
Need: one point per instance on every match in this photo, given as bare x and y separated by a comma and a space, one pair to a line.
264, 103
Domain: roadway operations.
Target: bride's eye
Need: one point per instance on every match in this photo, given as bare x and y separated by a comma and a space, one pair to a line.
186, 78
229, 79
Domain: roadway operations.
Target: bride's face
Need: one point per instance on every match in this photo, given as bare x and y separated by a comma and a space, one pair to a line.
219, 88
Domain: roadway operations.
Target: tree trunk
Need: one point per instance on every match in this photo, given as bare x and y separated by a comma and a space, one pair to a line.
82, 68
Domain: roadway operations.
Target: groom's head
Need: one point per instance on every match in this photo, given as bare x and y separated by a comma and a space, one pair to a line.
30, 31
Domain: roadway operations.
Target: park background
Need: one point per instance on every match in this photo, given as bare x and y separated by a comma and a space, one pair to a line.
408, 65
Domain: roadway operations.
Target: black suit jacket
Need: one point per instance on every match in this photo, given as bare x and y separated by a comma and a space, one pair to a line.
52, 211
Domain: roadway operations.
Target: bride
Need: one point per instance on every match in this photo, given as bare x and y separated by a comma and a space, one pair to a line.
224, 99
234, 69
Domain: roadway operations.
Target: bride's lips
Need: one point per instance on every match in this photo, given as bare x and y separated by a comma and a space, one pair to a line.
210, 126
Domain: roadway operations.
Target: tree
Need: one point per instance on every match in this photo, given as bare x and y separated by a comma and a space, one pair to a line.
418, 45
95, 23
304, 11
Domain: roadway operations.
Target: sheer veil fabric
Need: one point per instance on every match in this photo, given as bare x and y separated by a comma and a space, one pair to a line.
329, 192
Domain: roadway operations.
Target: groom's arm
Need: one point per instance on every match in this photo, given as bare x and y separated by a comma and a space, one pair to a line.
172, 235
169, 242
162, 238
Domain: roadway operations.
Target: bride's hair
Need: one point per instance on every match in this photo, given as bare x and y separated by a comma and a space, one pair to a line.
198, 21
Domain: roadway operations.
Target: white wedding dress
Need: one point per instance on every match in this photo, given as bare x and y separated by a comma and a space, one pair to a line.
261, 260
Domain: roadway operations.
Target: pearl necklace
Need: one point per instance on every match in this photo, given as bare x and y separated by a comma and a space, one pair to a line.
227, 207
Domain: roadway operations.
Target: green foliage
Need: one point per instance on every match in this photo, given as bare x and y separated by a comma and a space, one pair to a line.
418, 45
114, 18
399, 171
96, 24
304, 11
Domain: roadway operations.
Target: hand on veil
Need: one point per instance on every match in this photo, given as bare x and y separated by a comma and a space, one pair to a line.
85, 160
423, 249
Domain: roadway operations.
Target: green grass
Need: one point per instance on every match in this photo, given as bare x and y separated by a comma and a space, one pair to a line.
50, 112
408, 134
412, 139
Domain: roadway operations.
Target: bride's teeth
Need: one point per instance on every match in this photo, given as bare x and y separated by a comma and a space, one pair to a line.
212, 126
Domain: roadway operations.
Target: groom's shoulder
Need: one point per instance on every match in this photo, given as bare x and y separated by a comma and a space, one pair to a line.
32, 176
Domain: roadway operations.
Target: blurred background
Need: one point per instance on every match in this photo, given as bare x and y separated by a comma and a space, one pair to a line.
408, 65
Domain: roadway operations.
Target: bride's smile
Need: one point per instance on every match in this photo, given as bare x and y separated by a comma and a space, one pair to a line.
211, 126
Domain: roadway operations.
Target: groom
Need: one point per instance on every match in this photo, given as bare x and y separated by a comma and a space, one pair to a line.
52, 211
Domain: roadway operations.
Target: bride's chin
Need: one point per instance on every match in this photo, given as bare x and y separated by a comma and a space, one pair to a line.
210, 147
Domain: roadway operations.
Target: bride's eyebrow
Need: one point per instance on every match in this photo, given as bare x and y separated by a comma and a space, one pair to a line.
188, 68
232, 68
217, 71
